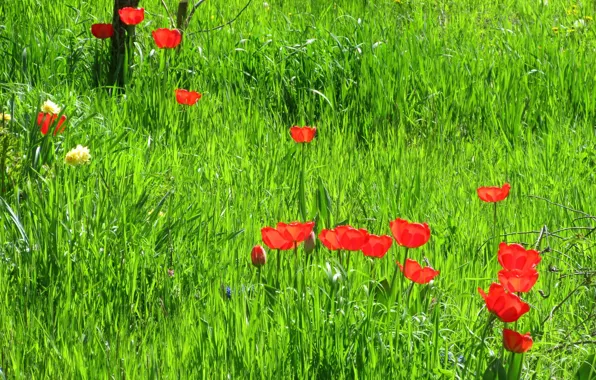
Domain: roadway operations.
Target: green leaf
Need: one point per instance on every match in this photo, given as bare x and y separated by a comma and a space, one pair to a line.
324, 204
587, 371
515, 366
302, 196
495, 371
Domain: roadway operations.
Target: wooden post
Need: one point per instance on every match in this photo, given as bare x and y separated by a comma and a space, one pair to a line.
120, 43
181, 17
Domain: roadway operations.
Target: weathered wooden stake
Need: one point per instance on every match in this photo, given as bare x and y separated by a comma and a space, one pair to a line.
120, 43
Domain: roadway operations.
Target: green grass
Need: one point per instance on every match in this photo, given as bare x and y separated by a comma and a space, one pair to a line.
417, 104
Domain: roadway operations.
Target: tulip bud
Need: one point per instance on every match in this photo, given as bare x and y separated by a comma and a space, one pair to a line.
310, 242
258, 256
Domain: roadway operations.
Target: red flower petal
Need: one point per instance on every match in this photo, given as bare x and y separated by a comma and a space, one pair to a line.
493, 193
517, 280
516, 342
102, 31
350, 238
131, 16
303, 134
410, 235
187, 97
414, 272
329, 239
507, 306
258, 256
274, 239
377, 246
516, 257
45, 120
295, 231
167, 38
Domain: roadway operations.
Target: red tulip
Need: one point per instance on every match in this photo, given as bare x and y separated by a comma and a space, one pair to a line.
507, 306
303, 134
45, 120
517, 280
516, 342
494, 194
515, 256
258, 256
295, 231
187, 97
410, 235
413, 271
377, 246
102, 31
350, 238
131, 16
329, 239
167, 38
274, 239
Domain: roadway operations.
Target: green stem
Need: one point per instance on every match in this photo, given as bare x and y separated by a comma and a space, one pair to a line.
491, 318
278, 259
409, 291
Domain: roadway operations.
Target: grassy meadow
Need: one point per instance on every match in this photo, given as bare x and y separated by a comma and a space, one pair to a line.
416, 104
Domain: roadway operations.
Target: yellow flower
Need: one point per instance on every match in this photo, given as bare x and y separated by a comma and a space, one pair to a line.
588, 18
5, 116
570, 30
50, 107
555, 29
78, 156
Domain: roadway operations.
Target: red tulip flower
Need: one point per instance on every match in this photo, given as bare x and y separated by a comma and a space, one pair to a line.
102, 31
414, 272
410, 235
45, 120
516, 257
377, 246
517, 280
516, 342
167, 38
131, 16
303, 134
186, 97
350, 238
295, 232
494, 194
507, 306
329, 239
274, 239
258, 256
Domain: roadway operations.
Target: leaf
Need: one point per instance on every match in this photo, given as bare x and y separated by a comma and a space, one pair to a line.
302, 195
495, 371
587, 371
16, 221
515, 366
324, 203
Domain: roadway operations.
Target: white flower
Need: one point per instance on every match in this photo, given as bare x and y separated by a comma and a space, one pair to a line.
50, 107
265, 5
78, 156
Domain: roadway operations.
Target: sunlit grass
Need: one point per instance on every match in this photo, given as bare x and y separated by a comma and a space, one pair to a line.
415, 104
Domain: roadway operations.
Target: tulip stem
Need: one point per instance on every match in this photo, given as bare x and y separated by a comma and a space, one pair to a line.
491, 318
392, 289
404, 264
348, 263
408, 292
278, 257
